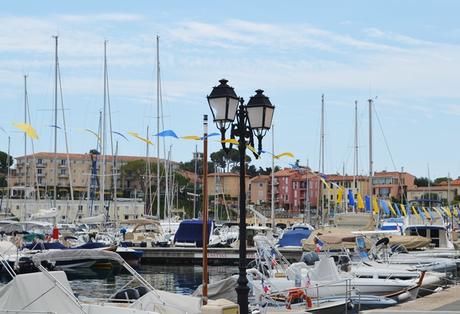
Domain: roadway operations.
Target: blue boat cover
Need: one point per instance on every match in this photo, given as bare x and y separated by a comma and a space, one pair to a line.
92, 245
294, 237
45, 246
190, 231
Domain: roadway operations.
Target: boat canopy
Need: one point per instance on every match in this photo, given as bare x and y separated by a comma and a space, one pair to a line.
191, 231
294, 237
33, 293
70, 255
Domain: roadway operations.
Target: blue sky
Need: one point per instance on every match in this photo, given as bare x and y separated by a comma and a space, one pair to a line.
404, 53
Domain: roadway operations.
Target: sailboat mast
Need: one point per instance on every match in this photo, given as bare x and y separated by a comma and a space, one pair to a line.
8, 181
194, 181
273, 180
371, 162
55, 119
25, 149
158, 128
355, 164
321, 164
104, 125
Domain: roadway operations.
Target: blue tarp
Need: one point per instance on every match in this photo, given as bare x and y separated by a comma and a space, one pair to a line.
191, 231
294, 237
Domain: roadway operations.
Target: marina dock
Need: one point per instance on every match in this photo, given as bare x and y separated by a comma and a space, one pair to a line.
193, 255
447, 301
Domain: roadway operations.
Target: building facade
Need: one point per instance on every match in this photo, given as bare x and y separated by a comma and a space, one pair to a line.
392, 184
44, 171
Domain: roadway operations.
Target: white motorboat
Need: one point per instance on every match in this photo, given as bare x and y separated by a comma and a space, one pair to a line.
50, 292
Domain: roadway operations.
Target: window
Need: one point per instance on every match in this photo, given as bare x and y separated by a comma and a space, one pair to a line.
40, 180
63, 162
39, 171
63, 171
39, 161
80, 208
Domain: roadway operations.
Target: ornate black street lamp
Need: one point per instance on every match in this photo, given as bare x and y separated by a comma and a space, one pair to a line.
252, 119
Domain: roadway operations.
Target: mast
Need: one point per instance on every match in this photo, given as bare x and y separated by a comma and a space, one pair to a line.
65, 136
8, 181
112, 152
25, 149
273, 180
429, 185
148, 187
103, 137
355, 159
158, 128
371, 162
195, 181
55, 119
319, 212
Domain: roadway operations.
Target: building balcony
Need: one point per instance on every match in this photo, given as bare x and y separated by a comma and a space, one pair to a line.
42, 165
62, 165
63, 175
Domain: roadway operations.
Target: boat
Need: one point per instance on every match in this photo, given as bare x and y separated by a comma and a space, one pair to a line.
190, 233
293, 238
50, 292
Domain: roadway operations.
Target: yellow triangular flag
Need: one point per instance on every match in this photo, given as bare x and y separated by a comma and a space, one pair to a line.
339, 195
375, 205
393, 211
136, 135
288, 154
230, 141
415, 212
28, 129
252, 149
191, 137
403, 209
360, 201
447, 211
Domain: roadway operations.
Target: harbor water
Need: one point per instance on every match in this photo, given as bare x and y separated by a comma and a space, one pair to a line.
178, 279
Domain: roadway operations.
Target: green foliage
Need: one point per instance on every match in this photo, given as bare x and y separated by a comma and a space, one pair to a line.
4, 162
422, 181
440, 180
228, 161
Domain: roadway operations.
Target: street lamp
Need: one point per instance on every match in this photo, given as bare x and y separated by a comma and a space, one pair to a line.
252, 119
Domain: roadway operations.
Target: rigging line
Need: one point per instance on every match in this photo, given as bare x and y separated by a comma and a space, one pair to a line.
37, 196
65, 132
384, 138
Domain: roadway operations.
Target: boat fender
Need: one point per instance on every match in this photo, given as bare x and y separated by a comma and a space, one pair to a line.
295, 294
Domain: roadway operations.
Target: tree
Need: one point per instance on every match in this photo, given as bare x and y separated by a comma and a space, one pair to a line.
440, 180
422, 181
228, 161
5, 162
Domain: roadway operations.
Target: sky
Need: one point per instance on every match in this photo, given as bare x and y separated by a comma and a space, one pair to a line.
405, 55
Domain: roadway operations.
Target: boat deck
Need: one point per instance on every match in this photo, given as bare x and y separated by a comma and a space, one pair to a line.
447, 301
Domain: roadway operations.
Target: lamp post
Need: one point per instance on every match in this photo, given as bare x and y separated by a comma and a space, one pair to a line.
252, 119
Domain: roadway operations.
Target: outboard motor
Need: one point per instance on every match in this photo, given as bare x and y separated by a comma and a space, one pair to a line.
309, 258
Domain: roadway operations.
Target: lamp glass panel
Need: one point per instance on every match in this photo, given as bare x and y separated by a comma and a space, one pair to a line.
268, 117
232, 106
255, 116
218, 106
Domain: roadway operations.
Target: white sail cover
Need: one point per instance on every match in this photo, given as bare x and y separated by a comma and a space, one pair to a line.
36, 292
45, 214
93, 219
71, 255
168, 302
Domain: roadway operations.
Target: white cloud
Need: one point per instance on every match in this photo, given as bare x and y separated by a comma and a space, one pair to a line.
107, 17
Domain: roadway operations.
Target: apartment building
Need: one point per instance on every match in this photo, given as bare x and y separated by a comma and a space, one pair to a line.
392, 184
43, 171
296, 189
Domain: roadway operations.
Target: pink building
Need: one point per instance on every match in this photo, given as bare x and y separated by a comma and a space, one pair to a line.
292, 186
